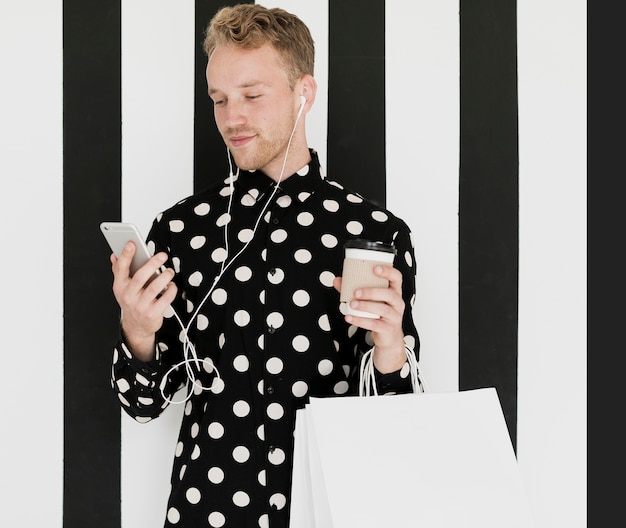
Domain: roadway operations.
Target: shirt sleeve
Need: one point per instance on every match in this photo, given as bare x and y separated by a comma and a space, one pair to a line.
145, 389
137, 383
400, 381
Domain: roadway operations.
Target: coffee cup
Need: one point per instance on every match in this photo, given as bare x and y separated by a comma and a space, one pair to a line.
360, 259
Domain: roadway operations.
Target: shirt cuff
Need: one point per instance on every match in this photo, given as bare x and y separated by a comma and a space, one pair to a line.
149, 369
398, 382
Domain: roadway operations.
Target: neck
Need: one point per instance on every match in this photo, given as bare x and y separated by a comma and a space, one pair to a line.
297, 157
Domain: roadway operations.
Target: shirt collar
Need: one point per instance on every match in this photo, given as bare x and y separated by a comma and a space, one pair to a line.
299, 186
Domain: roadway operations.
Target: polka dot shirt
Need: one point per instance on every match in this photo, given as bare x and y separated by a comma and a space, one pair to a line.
267, 335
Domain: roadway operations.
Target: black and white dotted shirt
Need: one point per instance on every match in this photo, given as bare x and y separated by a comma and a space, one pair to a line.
268, 336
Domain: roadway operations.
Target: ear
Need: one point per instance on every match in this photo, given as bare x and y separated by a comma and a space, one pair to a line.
307, 86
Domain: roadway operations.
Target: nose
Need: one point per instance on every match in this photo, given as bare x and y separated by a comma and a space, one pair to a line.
234, 114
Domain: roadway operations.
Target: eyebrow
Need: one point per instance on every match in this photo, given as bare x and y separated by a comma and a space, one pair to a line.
243, 85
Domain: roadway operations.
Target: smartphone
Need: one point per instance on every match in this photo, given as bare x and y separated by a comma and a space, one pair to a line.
118, 234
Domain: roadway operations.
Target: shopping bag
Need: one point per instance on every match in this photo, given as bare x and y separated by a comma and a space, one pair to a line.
434, 460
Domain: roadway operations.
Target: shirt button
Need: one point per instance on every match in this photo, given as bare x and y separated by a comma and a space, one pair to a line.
272, 449
272, 271
275, 221
271, 330
270, 390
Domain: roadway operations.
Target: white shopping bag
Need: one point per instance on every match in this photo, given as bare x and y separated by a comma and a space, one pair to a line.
430, 460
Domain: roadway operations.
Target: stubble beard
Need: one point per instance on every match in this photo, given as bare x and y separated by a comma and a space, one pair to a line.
264, 153
268, 149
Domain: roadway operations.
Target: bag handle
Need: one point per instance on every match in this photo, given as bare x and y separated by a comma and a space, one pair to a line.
367, 379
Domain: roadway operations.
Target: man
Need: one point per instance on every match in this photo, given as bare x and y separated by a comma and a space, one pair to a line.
247, 314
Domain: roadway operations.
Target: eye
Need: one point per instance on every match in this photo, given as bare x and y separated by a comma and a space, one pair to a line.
219, 102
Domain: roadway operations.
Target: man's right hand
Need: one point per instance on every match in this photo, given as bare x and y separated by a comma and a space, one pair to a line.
143, 300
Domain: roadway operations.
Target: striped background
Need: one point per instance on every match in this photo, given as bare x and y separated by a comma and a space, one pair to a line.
470, 119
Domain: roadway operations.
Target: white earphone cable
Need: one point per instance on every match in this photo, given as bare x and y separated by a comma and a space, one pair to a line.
188, 347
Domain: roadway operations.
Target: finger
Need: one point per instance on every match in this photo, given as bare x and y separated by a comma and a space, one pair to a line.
383, 329
120, 266
159, 299
144, 308
149, 271
388, 294
125, 258
384, 310
159, 283
393, 275
337, 283
386, 302
167, 296
381, 295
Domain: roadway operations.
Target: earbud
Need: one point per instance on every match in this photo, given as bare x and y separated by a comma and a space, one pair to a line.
302, 103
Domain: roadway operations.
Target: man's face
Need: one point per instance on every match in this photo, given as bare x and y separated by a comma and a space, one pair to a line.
254, 108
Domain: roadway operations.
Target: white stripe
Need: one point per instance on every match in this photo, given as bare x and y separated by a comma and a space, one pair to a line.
157, 106
422, 116
157, 170
31, 231
552, 396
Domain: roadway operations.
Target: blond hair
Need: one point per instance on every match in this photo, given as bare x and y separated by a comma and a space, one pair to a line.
252, 26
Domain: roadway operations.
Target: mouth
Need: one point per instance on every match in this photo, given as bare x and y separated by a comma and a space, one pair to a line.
240, 141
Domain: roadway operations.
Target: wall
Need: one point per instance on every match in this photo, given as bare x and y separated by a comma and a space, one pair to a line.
31, 230
422, 108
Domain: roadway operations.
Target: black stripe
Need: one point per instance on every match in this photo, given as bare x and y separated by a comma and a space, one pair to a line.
356, 96
210, 156
489, 201
91, 193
